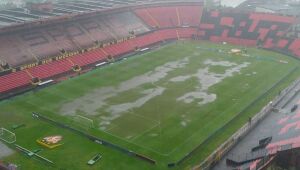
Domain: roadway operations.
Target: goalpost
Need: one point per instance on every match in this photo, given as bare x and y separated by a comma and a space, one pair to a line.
7, 136
83, 121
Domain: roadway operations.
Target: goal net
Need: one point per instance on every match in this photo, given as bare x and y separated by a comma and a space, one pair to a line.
7, 136
83, 122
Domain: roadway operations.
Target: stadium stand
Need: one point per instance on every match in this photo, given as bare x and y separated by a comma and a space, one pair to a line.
14, 80
186, 32
242, 28
88, 57
13, 52
37, 44
248, 28
147, 39
170, 16
103, 36
119, 48
59, 40
53, 68
294, 47
123, 23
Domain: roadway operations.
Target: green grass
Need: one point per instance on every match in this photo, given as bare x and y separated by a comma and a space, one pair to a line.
155, 128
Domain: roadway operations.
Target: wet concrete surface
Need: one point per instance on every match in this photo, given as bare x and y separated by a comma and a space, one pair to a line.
280, 125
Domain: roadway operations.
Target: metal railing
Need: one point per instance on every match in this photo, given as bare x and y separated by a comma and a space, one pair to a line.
221, 151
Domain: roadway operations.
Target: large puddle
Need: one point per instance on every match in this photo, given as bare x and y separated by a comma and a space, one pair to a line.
96, 100
207, 79
5, 151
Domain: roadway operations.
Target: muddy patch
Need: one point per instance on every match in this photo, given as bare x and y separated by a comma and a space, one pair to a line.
5, 151
208, 79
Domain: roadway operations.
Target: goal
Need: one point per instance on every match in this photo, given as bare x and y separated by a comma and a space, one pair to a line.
7, 136
83, 122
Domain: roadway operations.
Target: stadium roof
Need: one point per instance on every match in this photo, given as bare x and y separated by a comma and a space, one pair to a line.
23, 14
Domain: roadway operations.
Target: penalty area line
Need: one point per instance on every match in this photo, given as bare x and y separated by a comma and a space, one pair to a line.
135, 144
144, 132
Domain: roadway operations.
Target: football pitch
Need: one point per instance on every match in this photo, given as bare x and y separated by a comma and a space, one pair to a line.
161, 104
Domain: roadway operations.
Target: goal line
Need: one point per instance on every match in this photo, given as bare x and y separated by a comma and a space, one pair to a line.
7, 136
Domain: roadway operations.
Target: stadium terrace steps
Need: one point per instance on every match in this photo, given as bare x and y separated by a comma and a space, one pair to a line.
94, 29
237, 41
145, 40
249, 28
88, 58
54, 68
226, 26
119, 48
76, 34
147, 17
122, 23
12, 53
187, 32
217, 26
40, 43
14, 80
59, 40
271, 150
165, 16
51, 69
295, 47
189, 15
173, 16
272, 18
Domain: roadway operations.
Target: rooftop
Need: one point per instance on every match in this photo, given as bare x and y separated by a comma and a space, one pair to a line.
24, 14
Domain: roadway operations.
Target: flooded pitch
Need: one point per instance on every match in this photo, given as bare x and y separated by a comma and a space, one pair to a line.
96, 100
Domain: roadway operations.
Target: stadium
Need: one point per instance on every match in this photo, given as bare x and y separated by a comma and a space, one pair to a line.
158, 85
